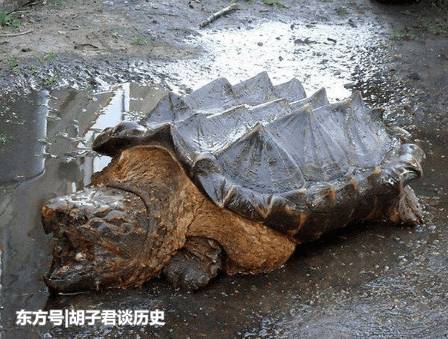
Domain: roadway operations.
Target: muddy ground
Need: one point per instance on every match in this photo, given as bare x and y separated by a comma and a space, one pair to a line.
374, 281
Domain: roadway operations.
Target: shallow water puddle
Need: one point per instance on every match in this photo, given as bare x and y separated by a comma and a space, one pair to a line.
319, 55
22, 129
61, 126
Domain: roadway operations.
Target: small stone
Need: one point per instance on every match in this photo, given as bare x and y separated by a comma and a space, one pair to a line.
80, 256
414, 76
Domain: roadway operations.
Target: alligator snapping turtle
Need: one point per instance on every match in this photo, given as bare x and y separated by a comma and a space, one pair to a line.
228, 178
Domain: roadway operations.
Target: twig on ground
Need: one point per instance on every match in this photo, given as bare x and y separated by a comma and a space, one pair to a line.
12, 35
26, 4
219, 14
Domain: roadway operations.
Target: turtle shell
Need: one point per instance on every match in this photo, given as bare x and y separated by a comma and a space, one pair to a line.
271, 154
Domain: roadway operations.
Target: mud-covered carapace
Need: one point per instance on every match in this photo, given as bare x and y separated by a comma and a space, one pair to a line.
228, 178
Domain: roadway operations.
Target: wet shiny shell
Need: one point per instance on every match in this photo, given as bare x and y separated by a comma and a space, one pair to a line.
271, 154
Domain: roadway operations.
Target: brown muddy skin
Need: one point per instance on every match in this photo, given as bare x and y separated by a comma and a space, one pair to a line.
176, 210
137, 40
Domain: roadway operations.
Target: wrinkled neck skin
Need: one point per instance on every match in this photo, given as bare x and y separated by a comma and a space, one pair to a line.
141, 209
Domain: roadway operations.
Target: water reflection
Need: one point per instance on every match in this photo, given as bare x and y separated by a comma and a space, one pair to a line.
22, 136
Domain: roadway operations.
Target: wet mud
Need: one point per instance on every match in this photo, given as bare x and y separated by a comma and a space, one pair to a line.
155, 41
377, 280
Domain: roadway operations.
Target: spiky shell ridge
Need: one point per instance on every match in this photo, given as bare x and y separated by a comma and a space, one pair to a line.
271, 154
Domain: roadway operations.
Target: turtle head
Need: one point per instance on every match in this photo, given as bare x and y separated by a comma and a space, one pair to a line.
101, 240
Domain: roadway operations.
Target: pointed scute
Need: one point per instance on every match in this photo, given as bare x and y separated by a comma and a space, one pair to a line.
291, 90
364, 140
257, 162
302, 136
318, 99
255, 90
212, 97
211, 133
349, 122
167, 110
219, 96
369, 136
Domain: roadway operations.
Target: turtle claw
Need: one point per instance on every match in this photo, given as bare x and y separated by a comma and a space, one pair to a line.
195, 265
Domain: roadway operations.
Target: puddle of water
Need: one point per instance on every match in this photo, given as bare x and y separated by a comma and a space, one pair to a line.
319, 55
22, 133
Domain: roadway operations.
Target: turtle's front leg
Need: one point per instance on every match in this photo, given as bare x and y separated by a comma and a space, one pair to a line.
192, 267
406, 209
